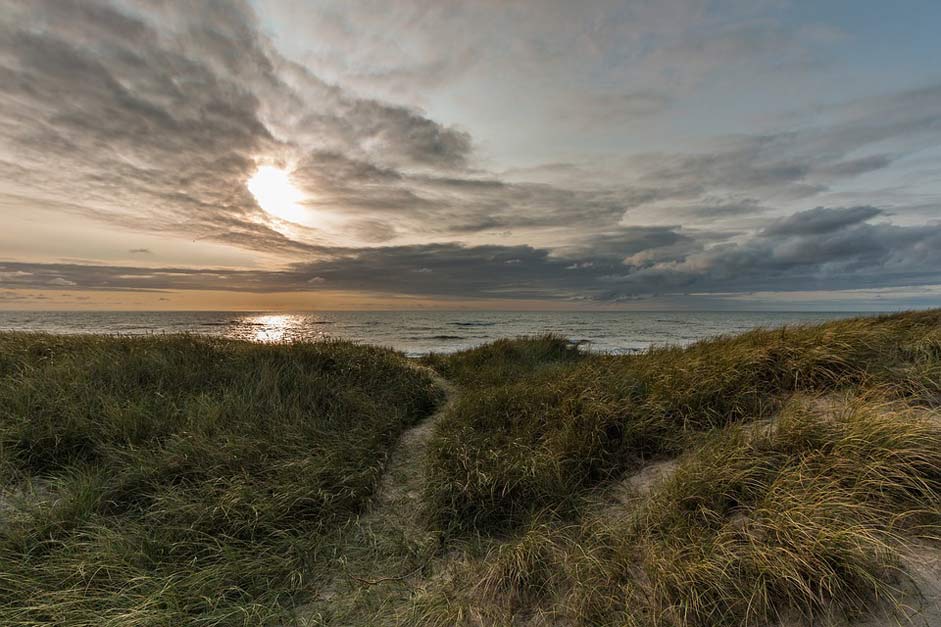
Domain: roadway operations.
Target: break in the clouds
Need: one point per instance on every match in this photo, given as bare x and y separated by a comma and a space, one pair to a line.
607, 153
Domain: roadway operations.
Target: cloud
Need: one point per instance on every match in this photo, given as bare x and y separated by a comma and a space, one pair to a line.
845, 252
623, 243
387, 201
819, 221
855, 167
818, 249
14, 276
151, 116
157, 115
522, 51
606, 109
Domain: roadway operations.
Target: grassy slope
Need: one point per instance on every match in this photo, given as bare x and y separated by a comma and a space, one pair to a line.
186, 481
806, 516
533, 437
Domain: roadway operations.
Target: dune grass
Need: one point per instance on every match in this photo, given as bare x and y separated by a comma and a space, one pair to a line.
524, 439
804, 519
179, 480
810, 460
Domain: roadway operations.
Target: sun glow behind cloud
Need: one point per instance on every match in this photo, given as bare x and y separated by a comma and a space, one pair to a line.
275, 193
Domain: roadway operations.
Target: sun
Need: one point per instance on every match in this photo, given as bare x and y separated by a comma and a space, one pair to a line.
275, 193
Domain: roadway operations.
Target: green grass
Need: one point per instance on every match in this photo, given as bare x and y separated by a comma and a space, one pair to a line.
505, 361
530, 438
179, 480
803, 519
186, 480
785, 505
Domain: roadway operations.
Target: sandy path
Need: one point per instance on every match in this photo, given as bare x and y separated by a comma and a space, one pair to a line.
388, 554
384, 553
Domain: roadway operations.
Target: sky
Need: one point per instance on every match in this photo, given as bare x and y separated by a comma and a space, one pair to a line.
492, 154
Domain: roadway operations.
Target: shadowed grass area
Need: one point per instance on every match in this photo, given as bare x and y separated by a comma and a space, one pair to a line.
186, 480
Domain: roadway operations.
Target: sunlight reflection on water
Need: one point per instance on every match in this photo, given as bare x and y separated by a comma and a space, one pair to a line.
271, 328
276, 328
419, 332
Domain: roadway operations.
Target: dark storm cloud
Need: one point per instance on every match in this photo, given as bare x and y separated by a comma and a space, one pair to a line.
447, 269
624, 243
819, 221
819, 249
846, 253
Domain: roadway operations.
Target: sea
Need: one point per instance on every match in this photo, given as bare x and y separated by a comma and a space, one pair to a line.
421, 332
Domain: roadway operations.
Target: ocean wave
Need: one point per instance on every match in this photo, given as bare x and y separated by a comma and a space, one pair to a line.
623, 333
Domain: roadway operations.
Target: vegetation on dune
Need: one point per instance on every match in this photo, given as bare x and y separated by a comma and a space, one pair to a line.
810, 458
505, 361
181, 480
191, 481
803, 519
526, 439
